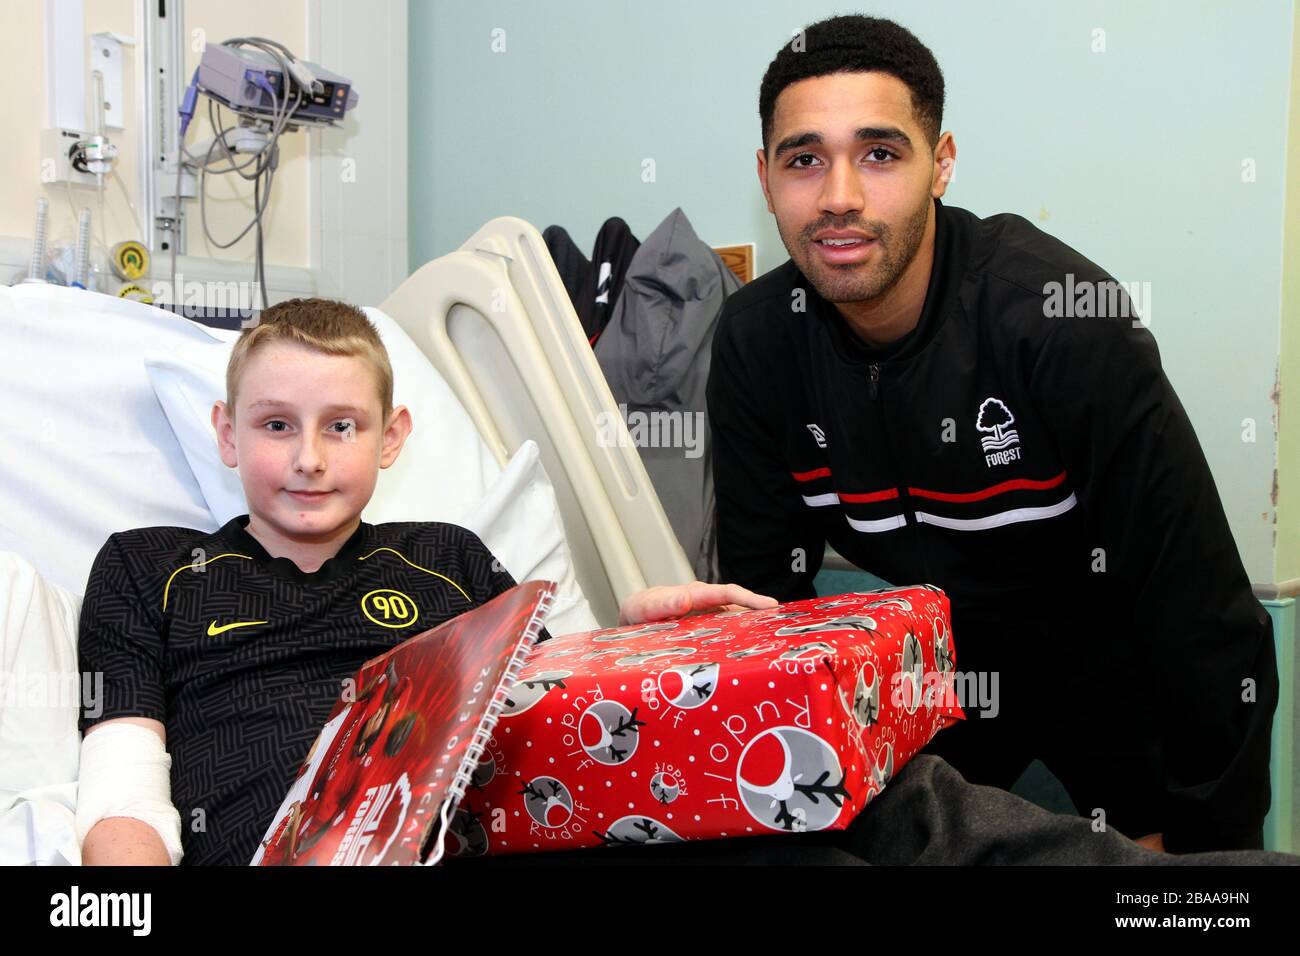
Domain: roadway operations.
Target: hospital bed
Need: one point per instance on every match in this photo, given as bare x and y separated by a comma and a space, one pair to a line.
107, 429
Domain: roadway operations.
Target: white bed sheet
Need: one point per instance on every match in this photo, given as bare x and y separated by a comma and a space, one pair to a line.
39, 696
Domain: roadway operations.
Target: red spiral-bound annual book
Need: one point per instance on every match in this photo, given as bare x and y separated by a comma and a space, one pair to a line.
387, 771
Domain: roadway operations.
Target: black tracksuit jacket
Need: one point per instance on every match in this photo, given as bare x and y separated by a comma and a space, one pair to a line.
1040, 469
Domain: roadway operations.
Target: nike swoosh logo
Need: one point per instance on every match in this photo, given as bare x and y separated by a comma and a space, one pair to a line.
213, 630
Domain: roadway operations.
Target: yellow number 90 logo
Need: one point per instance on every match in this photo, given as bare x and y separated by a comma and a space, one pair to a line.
389, 608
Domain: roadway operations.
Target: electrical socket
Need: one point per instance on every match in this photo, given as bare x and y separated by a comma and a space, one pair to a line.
56, 164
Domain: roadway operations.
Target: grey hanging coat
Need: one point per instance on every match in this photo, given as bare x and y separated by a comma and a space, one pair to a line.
655, 354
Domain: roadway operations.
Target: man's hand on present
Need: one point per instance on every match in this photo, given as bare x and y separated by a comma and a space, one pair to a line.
678, 600
1153, 841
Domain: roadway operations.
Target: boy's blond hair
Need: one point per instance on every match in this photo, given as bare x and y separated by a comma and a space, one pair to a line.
325, 325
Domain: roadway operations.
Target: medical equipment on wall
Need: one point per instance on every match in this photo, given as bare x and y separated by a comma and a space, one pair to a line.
129, 260
271, 92
36, 265
59, 262
95, 155
71, 156
81, 262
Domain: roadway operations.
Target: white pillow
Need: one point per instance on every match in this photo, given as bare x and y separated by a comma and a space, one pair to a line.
86, 450
418, 487
519, 521
39, 704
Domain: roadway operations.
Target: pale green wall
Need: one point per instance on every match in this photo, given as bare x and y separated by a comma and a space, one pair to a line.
1288, 451
1133, 156
1281, 824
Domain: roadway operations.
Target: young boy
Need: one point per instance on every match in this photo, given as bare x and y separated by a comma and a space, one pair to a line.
223, 652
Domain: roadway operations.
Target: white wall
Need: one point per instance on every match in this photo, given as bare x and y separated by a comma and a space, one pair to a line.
326, 231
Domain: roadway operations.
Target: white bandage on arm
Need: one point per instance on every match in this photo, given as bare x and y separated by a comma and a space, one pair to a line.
126, 772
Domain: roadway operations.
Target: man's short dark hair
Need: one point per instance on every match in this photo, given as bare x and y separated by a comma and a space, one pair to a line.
857, 44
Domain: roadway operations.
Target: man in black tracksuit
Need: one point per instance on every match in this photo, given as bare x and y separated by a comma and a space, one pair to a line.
969, 403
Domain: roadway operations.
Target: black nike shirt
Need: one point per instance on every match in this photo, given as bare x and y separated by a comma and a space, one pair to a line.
241, 655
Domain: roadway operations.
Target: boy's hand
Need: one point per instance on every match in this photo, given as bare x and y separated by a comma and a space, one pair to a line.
678, 600
123, 841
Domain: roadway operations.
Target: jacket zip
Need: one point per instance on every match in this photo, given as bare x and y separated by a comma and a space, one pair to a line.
904, 499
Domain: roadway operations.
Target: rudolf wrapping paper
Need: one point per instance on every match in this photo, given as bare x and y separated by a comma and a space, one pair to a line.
724, 725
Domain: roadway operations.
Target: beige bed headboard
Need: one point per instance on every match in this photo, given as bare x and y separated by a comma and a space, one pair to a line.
495, 320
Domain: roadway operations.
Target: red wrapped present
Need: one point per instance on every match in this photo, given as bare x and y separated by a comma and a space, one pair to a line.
722, 725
